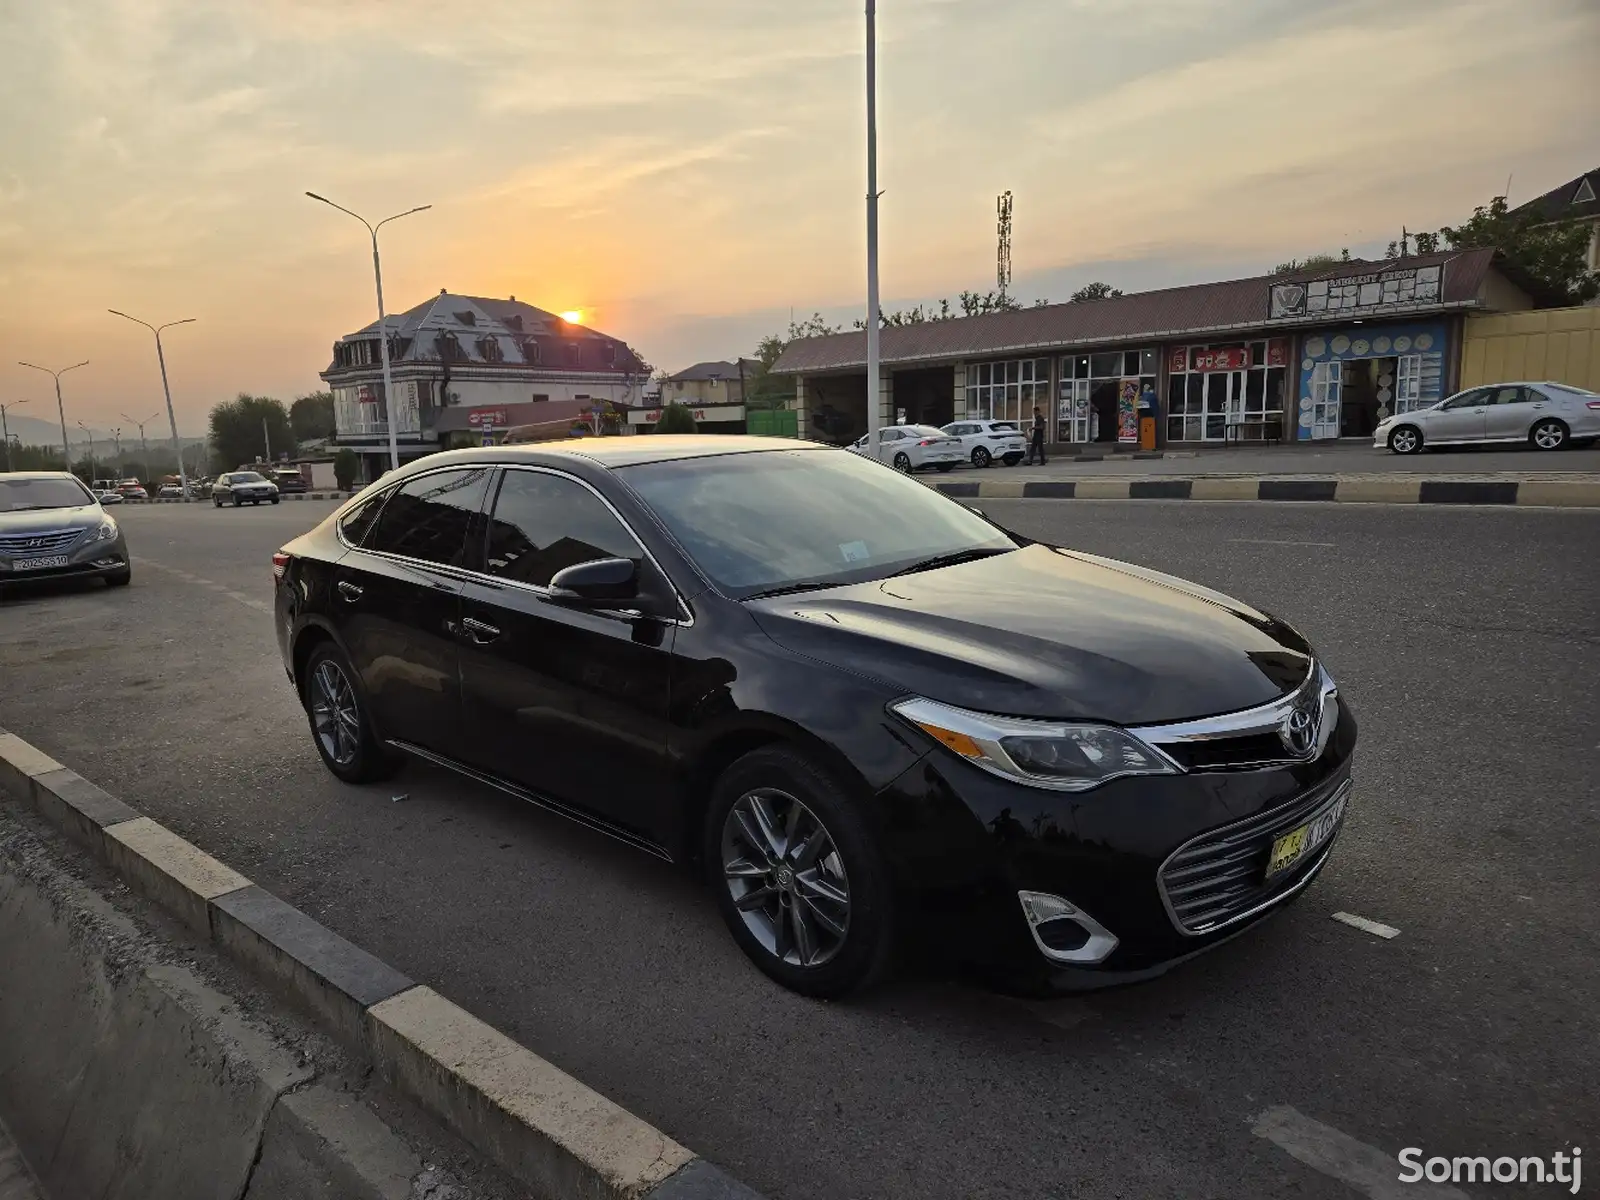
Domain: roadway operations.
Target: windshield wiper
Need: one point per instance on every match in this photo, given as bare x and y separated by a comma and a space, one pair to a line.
949, 560
789, 589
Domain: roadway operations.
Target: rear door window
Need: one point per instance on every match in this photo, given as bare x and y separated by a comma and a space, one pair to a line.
429, 518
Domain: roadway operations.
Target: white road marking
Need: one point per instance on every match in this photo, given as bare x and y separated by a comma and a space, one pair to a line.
1365, 1168
213, 585
1276, 542
1372, 927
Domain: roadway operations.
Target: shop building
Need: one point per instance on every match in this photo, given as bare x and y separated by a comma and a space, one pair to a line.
1298, 357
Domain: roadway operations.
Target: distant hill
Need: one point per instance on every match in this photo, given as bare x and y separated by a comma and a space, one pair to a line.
36, 432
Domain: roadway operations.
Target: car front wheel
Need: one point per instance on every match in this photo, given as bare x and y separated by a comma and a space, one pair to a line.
1548, 434
338, 716
1407, 439
797, 875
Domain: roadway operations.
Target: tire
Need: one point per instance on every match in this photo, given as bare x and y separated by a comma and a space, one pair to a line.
352, 752
275, 499
1405, 439
120, 578
1012, 460
1549, 434
980, 458
237, 502
216, 504
849, 944
902, 462
945, 468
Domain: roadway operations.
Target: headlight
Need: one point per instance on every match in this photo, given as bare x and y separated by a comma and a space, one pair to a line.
108, 530
1062, 756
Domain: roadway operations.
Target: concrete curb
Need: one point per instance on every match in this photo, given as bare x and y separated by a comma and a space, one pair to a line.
533, 1120
1544, 493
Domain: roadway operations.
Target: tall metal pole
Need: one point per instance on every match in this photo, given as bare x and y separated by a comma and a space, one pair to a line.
266, 436
144, 446
5, 433
874, 396
172, 420
90, 432
61, 411
383, 330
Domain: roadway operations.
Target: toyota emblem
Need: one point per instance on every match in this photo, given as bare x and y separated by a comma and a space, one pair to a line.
1299, 732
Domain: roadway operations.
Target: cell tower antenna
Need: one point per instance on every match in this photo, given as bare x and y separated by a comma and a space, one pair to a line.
1002, 272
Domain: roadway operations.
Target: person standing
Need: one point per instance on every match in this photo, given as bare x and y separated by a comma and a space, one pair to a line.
1036, 442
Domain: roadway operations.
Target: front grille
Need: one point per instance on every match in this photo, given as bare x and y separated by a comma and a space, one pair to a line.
1217, 877
1227, 753
38, 545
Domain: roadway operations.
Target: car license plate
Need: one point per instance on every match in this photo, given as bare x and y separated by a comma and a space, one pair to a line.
39, 564
1297, 843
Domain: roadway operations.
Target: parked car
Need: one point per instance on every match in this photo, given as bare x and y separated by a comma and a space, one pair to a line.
290, 481
132, 489
109, 496
985, 441
1545, 416
911, 448
170, 491
52, 526
857, 704
243, 487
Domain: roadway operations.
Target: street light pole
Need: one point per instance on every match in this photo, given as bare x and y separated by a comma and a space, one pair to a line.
5, 433
90, 432
144, 447
383, 332
874, 416
60, 409
172, 420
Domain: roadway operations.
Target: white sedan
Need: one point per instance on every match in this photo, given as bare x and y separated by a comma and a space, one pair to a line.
1543, 416
910, 448
985, 441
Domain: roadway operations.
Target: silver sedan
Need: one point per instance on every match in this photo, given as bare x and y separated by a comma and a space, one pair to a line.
1544, 416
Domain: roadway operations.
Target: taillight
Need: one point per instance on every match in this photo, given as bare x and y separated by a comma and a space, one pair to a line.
925, 442
280, 563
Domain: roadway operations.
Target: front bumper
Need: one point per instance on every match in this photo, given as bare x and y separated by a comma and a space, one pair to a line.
966, 843
84, 559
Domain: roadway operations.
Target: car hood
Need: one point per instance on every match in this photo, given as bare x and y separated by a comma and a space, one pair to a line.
1046, 632
43, 520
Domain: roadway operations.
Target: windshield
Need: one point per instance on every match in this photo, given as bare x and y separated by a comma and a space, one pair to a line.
18, 495
781, 519
245, 477
923, 431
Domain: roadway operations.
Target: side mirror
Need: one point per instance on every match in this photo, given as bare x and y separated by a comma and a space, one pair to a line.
601, 583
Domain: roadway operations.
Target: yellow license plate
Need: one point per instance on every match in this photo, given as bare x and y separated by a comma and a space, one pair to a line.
1287, 849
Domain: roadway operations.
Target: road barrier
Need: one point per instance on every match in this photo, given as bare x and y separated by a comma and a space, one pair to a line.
1370, 489
542, 1126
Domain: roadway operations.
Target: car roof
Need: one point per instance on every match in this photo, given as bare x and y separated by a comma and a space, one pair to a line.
40, 475
624, 451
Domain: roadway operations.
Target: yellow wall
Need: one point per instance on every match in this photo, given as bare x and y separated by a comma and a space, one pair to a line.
1562, 344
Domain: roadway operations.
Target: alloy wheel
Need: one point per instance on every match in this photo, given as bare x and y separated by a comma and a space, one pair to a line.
902, 462
785, 877
1404, 440
980, 457
1548, 435
334, 715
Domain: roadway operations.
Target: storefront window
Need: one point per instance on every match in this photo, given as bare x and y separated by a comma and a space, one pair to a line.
1090, 402
1008, 391
1225, 386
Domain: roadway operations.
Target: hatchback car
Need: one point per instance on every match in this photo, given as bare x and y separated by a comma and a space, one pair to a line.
51, 526
864, 710
1544, 416
243, 487
985, 441
911, 448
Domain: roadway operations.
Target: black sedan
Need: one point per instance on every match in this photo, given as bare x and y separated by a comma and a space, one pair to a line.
872, 717
51, 527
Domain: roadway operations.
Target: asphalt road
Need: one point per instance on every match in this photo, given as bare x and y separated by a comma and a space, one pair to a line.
1467, 639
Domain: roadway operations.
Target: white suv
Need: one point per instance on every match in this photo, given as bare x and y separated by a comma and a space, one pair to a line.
985, 441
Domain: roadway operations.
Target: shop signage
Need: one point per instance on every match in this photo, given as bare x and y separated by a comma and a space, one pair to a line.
1127, 411
1278, 352
488, 418
1400, 287
1234, 359
366, 395
1178, 360
654, 414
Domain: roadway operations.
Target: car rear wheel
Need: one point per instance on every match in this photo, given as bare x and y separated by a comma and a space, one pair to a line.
1012, 460
339, 724
1407, 439
1548, 434
797, 875
902, 462
980, 458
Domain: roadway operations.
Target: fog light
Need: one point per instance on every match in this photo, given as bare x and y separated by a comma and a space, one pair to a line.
1063, 932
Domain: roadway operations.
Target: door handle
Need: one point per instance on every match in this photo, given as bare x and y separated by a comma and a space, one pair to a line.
350, 591
481, 632
1538, 406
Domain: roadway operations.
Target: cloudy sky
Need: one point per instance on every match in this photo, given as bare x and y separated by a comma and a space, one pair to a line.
687, 171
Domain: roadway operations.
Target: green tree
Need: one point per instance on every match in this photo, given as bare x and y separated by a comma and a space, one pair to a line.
1553, 257
1311, 262
237, 430
311, 416
1095, 291
675, 418
345, 466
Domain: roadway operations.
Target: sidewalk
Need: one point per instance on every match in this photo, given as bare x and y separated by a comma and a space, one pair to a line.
1318, 459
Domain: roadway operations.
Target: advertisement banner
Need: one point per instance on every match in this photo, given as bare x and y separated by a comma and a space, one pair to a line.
1235, 359
1178, 360
1127, 411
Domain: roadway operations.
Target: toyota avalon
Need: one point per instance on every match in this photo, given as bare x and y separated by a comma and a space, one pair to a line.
869, 715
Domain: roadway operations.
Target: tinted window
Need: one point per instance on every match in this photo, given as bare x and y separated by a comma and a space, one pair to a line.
544, 523
245, 477
358, 520
429, 517
1468, 399
18, 495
